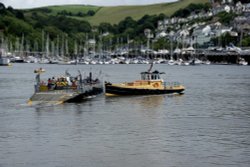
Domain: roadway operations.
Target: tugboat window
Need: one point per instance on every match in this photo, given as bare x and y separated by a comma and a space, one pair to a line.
143, 77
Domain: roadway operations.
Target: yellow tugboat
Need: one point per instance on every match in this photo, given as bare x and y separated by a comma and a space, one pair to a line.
150, 84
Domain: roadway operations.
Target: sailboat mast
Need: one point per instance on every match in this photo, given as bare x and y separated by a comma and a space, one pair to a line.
47, 46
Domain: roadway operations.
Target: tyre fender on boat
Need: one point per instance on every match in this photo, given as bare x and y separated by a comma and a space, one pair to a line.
156, 85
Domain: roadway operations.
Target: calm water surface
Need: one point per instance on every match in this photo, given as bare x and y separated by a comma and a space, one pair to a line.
207, 126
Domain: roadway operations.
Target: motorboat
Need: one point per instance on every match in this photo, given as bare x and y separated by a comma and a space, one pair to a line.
4, 60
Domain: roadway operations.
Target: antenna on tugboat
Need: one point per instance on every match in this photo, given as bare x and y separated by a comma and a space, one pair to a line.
80, 75
151, 66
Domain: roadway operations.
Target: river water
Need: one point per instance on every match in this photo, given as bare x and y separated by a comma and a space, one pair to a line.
207, 126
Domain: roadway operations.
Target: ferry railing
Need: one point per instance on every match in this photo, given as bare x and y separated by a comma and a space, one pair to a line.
171, 84
81, 87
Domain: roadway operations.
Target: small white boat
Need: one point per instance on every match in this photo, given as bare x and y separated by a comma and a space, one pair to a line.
4, 60
242, 61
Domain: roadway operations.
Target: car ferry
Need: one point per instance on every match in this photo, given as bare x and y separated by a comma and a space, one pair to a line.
65, 88
150, 83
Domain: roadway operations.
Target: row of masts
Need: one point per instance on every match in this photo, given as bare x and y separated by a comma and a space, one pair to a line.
58, 48
55, 48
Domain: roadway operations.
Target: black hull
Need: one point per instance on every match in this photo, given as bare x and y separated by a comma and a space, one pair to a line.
132, 91
81, 97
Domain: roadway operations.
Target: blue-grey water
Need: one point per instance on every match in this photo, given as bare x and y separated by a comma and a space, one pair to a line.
207, 126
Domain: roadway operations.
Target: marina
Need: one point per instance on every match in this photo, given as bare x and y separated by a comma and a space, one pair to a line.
204, 56
129, 55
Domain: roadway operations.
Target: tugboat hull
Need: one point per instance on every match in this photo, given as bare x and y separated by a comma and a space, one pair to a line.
112, 90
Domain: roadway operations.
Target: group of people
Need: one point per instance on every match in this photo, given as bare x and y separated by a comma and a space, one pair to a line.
61, 83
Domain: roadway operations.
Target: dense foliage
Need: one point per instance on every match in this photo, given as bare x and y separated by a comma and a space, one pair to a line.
79, 14
225, 17
192, 8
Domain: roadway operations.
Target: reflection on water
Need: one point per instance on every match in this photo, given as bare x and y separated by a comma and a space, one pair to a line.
207, 126
150, 102
146, 102
154, 101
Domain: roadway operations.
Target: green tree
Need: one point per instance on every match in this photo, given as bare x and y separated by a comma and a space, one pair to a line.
2, 9
190, 9
52, 31
18, 28
2, 6
83, 26
162, 43
226, 18
91, 13
143, 19
19, 14
10, 9
2, 25
246, 41
128, 22
105, 27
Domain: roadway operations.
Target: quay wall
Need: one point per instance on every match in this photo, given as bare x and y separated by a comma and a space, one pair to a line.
231, 58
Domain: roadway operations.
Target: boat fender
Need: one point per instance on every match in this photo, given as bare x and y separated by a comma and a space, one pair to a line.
156, 85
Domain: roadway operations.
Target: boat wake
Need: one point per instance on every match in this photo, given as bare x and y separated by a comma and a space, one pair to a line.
90, 97
39, 104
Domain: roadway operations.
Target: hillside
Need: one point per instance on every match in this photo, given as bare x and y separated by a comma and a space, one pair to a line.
114, 14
